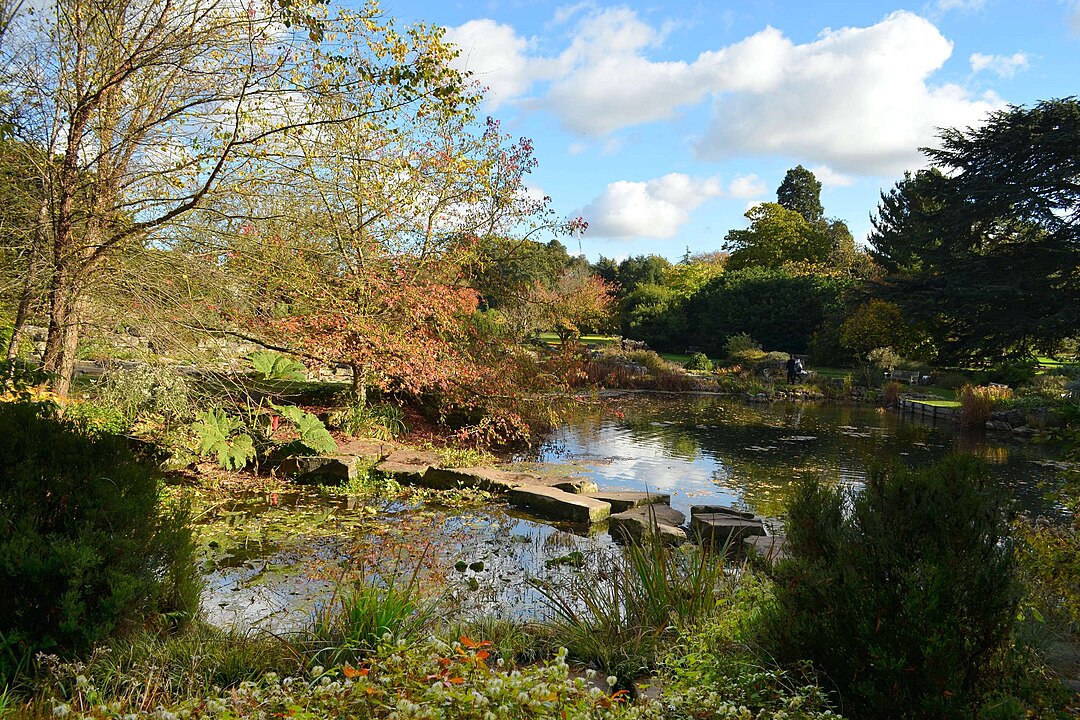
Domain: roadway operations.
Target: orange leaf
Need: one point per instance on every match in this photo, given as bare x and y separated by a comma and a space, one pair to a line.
456, 680
483, 655
469, 643
351, 672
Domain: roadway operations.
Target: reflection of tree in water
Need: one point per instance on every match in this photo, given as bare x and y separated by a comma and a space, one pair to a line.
759, 450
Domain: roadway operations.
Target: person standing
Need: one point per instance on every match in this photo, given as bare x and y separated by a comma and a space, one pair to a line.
790, 365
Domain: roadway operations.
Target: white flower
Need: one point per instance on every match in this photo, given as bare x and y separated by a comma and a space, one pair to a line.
62, 710
611, 680
318, 670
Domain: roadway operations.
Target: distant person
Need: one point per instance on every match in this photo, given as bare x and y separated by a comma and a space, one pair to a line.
791, 364
798, 370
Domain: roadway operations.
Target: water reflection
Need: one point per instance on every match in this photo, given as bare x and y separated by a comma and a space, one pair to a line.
718, 449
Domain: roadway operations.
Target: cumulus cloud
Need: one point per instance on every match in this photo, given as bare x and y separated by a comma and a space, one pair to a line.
859, 100
1004, 66
830, 178
747, 187
653, 209
856, 99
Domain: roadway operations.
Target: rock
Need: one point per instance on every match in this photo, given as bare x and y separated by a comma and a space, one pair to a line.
1025, 431
320, 469
484, 478
768, 547
415, 457
555, 504
404, 473
720, 510
622, 501
998, 426
580, 486
721, 530
637, 523
368, 449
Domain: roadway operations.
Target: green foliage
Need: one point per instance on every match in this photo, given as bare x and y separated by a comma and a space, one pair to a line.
20, 380
97, 418
619, 624
147, 390
776, 236
86, 547
700, 362
739, 342
982, 252
901, 594
313, 435
1013, 374
378, 421
225, 437
654, 314
275, 366
801, 192
779, 309
978, 401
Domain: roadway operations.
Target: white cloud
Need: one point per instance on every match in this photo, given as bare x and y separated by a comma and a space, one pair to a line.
942, 6
830, 178
746, 187
653, 209
859, 100
1004, 66
1074, 17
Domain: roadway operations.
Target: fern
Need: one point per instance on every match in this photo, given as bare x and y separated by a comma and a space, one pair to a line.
226, 437
273, 366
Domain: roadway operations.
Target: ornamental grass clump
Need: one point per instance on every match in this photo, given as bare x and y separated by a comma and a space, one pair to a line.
978, 401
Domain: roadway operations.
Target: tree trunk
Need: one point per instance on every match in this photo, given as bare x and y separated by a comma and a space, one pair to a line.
358, 391
26, 299
65, 305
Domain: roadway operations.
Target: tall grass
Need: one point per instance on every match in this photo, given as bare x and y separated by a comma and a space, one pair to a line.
978, 401
618, 618
377, 607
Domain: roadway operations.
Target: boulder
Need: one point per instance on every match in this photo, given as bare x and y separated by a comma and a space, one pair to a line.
722, 530
768, 547
622, 501
638, 523
408, 466
998, 426
720, 510
319, 469
579, 486
554, 504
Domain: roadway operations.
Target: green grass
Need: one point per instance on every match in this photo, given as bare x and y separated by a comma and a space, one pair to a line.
940, 403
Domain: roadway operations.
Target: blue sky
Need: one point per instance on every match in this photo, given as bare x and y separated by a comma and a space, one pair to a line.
662, 122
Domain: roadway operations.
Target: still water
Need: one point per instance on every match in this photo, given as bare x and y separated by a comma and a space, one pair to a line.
270, 560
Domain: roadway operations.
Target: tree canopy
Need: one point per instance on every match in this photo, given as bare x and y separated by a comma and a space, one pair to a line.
983, 251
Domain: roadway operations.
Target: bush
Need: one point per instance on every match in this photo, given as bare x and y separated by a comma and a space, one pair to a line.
147, 390
700, 362
86, 547
739, 342
901, 594
1011, 374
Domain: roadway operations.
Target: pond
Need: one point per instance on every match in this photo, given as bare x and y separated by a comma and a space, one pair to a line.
270, 558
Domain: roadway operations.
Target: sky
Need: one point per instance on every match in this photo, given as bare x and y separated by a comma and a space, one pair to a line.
662, 122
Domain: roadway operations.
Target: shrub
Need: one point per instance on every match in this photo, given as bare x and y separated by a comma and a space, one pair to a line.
739, 342
1012, 374
902, 593
147, 390
891, 395
381, 422
977, 402
951, 380
86, 546
700, 362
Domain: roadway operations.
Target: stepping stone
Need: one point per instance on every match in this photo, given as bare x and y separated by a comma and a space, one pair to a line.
484, 478
320, 469
638, 523
720, 510
578, 487
555, 504
408, 466
769, 547
366, 448
719, 530
622, 501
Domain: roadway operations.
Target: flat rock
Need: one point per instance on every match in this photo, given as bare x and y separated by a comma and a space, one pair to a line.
720, 530
484, 478
415, 457
405, 473
323, 469
623, 501
367, 448
720, 510
555, 504
579, 486
638, 523
769, 547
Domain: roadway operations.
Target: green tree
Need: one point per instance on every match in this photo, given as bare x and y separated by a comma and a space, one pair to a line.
776, 236
801, 191
984, 253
